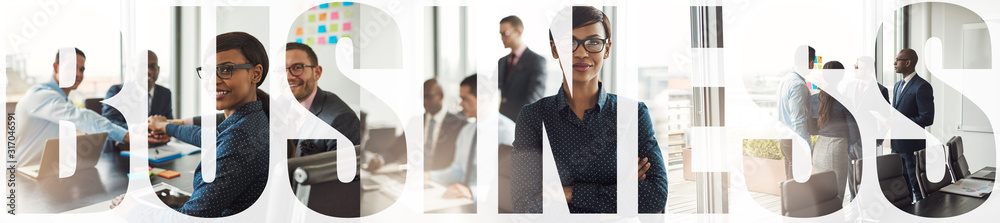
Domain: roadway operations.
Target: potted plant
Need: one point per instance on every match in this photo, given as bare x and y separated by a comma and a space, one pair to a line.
763, 165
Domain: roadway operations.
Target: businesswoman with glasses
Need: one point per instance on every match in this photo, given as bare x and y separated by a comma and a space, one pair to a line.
581, 125
242, 137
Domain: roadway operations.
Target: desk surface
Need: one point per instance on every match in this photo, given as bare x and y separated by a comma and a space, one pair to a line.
942, 204
104, 182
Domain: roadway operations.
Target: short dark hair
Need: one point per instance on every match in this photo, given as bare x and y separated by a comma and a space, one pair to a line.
251, 48
514, 21
471, 82
587, 15
309, 51
913, 53
812, 55
78, 52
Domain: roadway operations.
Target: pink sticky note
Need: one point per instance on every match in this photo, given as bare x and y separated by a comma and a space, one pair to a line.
347, 26
334, 15
322, 41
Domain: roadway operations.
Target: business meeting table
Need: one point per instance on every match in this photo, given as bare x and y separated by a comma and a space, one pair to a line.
90, 186
942, 204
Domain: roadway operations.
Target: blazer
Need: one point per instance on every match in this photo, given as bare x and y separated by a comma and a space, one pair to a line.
444, 147
523, 84
335, 112
916, 102
160, 105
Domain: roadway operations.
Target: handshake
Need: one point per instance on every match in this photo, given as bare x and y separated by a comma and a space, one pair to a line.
158, 128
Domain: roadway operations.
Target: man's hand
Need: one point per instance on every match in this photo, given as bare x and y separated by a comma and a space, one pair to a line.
375, 163
457, 191
643, 167
157, 124
159, 138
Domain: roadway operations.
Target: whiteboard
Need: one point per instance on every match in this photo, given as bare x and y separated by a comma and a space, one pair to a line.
976, 54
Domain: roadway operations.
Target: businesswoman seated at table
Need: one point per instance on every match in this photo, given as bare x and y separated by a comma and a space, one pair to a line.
242, 137
582, 131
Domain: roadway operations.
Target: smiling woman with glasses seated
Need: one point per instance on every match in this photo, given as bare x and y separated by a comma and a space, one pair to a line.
581, 125
242, 137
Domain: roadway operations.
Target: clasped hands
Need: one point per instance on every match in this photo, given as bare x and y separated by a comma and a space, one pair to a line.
158, 129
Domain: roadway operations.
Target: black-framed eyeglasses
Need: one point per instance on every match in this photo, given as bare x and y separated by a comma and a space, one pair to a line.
591, 45
897, 59
507, 33
298, 69
225, 71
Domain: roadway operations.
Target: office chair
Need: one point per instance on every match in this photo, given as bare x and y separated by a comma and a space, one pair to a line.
505, 202
94, 104
814, 198
925, 185
315, 183
892, 178
956, 158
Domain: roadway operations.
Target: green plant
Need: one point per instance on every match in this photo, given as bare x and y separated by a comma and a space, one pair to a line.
762, 148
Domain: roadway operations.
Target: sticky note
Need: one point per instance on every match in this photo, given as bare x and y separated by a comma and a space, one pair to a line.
309, 41
335, 4
298, 31
299, 40
346, 36
169, 174
157, 170
324, 5
322, 41
334, 15
333, 39
347, 26
333, 27
322, 16
312, 17
348, 3
321, 29
348, 13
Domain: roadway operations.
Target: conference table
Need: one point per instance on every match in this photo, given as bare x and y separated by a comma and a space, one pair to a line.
90, 186
942, 204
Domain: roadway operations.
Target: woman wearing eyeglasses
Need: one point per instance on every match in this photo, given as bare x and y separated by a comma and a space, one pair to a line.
242, 137
581, 125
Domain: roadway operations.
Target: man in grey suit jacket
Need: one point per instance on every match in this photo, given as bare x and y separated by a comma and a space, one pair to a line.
441, 128
914, 98
522, 72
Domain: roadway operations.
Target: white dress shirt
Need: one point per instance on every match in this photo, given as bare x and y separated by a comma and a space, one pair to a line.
37, 117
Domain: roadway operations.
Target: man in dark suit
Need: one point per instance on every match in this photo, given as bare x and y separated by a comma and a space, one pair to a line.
441, 128
159, 101
914, 98
522, 72
303, 70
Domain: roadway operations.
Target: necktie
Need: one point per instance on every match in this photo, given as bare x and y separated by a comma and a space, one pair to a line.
470, 169
149, 104
429, 140
899, 90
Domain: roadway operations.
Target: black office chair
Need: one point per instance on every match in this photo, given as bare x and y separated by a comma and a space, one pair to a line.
315, 183
892, 179
505, 202
814, 198
956, 158
926, 186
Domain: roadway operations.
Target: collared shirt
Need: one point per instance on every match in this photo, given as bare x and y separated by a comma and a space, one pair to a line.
585, 154
309, 100
515, 54
794, 107
241, 164
906, 80
505, 128
464, 161
37, 117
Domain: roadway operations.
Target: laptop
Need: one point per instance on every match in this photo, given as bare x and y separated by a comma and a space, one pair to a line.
990, 175
88, 152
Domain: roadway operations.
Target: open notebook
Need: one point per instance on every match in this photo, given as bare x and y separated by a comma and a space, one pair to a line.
970, 187
171, 150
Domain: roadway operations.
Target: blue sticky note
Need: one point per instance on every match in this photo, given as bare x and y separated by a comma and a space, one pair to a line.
348, 3
322, 29
298, 40
332, 40
324, 5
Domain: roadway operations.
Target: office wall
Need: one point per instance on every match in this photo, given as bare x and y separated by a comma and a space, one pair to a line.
945, 21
